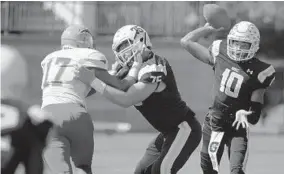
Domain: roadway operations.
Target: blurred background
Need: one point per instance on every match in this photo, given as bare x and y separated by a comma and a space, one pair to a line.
34, 29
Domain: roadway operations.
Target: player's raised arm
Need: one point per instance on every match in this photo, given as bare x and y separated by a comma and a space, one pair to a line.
190, 43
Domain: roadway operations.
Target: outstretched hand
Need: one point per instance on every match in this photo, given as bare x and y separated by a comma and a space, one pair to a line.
241, 119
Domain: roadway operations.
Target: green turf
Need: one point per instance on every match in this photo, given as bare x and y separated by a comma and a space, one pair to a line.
119, 154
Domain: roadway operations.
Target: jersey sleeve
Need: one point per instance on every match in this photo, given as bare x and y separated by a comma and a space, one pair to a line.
96, 59
214, 50
152, 73
266, 76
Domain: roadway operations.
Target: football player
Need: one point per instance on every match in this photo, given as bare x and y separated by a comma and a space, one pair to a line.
64, 95
156, 96
240, 83
23, 128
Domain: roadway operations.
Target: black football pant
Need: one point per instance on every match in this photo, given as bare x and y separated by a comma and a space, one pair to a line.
213, 147
30, 157
168, 152
28, 144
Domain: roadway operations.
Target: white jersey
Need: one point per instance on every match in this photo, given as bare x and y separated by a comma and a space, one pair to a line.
60, 83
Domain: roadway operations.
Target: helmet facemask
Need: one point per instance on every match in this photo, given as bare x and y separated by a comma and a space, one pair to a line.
240, 50
126, 50
128, 41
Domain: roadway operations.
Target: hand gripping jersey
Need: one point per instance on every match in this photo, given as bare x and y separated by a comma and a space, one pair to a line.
164, 110
236, 81
59, 82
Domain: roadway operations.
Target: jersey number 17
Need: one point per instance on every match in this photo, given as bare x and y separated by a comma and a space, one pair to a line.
228, 79
58, 71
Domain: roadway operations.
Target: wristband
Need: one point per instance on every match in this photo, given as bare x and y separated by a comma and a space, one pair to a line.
98, 85
256, 111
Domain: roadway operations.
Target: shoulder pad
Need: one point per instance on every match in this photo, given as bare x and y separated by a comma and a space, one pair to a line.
266, 76
152, 73
46, 59
95, 59
214, 49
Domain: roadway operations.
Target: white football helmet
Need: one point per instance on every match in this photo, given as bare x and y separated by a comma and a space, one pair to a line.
243, 32
127, 41
14, 75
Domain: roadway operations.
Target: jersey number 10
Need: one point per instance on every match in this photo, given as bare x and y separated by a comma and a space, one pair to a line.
228, 79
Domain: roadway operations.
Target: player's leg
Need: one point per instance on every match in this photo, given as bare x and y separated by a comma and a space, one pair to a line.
238, 151
33, 161
189, 146
11, 165
207, 146
177, 148
80, 131
151, 155
57, 152
57, 155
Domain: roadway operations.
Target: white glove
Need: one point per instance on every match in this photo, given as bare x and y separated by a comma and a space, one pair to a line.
241, 119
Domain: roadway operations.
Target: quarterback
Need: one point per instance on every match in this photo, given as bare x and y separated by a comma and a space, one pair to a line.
24, 128
155, 95
240, 82
63, 95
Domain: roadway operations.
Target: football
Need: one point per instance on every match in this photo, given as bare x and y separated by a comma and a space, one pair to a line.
216, 16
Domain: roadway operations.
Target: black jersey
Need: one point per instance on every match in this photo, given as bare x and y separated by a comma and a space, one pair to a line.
21, 140
236, 81
16, 123
164, 110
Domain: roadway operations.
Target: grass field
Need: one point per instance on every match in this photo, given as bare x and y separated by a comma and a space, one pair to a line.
119, 153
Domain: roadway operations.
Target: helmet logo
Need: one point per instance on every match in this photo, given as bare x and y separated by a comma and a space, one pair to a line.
137, 30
